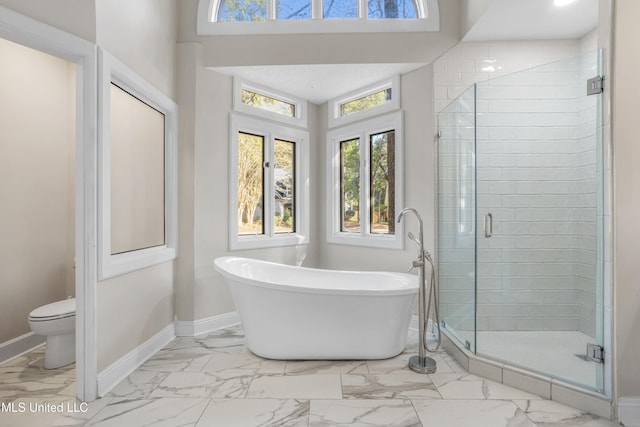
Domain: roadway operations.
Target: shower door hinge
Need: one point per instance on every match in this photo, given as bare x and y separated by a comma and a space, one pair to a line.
595, 85
595, 353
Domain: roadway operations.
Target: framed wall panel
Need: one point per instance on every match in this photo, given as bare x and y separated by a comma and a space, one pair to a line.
137, 177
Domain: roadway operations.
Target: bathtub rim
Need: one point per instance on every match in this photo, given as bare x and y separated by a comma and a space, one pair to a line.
413, 282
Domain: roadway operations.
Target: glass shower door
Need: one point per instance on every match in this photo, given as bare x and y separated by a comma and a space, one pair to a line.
539, 220
457, 219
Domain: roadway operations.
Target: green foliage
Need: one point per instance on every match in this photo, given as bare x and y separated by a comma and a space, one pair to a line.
242, 10
267, 103
350, 151
366, 102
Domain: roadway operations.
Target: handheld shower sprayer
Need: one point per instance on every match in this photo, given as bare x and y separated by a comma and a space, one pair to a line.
422, 363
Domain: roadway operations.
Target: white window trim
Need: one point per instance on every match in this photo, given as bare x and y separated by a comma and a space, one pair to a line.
300, 118
394, 104
363, 130
110, 70
270, 132
428, 12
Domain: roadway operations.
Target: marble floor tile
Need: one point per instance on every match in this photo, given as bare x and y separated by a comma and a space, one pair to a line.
19, 382
388, 386
361, 413
240, 359
546, 413
215, 380
138, 385
35, 412
460, 386
228, 337
471, 413
183, 412
398, 364
452, 363
325, 386
178, 359
468, 386
203, 384
255, 413
307, 367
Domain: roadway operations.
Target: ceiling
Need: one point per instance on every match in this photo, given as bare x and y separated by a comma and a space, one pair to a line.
503, 20
318, 83
535, 20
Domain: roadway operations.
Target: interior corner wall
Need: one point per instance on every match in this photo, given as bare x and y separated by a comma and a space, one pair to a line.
37, 146
142, 35
416, 102
211, 96
189, 60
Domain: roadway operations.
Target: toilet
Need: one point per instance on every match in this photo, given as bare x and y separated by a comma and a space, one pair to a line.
57, 322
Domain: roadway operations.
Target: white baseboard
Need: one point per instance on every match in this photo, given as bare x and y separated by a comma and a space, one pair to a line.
20, 345
629, 411
128, 363
191, 328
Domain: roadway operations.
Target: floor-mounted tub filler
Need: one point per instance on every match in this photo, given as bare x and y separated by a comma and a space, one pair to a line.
306, 313
426, 300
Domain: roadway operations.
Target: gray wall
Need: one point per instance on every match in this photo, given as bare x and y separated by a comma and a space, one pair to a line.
143, 36
626, 176
419, 131
205, 103
37, 136
134, 307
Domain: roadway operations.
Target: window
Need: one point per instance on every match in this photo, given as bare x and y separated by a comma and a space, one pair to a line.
365, 184
399, 9
268, 103
268, 184
260, 101
293, 9
340, 9
242, 11
316, 16
367, 102
364, 103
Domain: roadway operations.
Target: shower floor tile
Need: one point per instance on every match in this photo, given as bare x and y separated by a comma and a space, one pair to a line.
214, 380
554, 353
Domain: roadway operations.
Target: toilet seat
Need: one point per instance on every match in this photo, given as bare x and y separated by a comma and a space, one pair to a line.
55, 310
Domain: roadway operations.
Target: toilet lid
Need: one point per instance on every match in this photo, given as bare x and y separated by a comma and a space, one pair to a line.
62, 308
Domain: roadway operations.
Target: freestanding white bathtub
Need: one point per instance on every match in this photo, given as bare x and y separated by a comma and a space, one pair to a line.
304, 313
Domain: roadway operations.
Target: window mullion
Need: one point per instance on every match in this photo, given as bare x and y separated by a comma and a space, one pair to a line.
364, 185
269, 185
316, 9
271, 10
362, 9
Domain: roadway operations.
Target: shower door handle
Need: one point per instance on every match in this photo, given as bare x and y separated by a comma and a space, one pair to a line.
488, 225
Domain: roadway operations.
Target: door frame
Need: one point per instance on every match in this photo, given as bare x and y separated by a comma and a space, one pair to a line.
34, 34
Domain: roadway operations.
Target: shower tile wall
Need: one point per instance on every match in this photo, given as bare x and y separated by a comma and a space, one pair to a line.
536, 175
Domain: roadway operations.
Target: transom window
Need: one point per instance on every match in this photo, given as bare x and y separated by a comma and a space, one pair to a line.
367, 102
254, 99
316, 16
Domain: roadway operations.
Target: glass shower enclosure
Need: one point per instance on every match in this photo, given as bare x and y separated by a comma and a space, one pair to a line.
520, 220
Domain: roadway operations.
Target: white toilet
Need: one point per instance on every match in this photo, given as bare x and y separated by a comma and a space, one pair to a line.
56, 321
